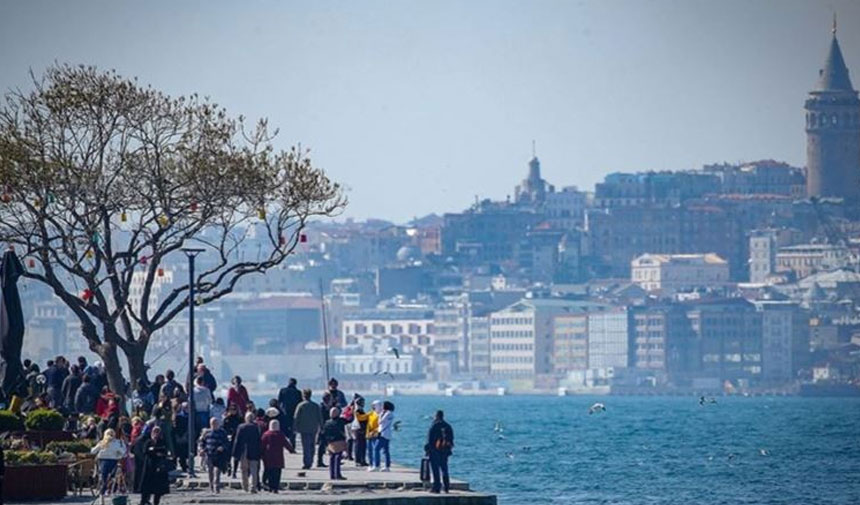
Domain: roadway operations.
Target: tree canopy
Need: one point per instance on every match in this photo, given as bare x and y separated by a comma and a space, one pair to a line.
101, 178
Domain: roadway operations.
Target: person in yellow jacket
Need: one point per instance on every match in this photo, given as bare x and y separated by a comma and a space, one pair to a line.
372, 433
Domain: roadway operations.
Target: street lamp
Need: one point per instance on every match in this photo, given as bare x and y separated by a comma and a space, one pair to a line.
191, 253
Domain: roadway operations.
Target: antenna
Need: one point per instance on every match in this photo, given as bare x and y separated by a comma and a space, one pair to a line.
834, 23
534, 151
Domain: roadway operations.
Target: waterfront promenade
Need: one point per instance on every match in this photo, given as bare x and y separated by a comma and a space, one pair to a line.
400, 486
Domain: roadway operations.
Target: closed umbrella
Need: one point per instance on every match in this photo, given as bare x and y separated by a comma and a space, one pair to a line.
11, 327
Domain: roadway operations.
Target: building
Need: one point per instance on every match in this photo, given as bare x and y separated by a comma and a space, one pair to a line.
533, 190
785, 339
730, 338
357, 366
663, 342
766, 177
608, 341
479, 343
487, 233
380, 331
565, 209
570, 343
679, 272
806, 259
833, 131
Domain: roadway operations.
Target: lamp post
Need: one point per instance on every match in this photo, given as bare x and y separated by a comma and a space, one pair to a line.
191, 253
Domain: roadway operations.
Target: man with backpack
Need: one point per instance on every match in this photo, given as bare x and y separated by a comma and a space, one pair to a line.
440, 442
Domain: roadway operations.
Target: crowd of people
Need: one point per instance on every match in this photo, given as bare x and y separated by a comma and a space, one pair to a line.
231, 435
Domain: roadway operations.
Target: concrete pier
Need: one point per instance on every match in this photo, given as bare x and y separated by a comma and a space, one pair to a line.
400, 486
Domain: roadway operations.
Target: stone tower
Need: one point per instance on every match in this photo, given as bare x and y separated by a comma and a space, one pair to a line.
833, 131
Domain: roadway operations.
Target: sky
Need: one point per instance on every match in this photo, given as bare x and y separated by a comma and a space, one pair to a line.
420, 107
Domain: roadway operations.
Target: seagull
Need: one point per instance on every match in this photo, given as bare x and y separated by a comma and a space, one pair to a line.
395, 351
764, 452
500, 437
526, 448
701, 400
509, 455
597, 408
731, 456
380, 372
498, 427
397, 425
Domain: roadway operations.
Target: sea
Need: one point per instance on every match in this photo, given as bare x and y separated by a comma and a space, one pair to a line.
644, 450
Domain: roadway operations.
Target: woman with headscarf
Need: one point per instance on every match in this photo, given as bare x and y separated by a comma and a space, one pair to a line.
274, 442
109, 451
334, 431
154, 479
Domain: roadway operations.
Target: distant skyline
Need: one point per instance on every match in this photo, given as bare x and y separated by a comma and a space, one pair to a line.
417, 107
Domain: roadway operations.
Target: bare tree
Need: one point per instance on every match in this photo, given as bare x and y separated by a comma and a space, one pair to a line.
102, 178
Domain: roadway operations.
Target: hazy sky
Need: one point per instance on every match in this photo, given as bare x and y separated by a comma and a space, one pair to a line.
419, 106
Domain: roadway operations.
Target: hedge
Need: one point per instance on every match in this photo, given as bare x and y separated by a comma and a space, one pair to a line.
24, 458
74, 446
10, 422
44, 420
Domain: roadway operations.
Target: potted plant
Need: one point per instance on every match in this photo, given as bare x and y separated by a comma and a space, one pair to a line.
33, 475
46, 426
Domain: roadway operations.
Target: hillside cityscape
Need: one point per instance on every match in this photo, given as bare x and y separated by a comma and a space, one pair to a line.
732, 277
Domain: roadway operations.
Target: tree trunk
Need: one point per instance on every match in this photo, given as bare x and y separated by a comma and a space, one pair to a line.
108, 353
136, 367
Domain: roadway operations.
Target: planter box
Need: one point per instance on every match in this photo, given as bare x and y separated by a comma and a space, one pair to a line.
34, 482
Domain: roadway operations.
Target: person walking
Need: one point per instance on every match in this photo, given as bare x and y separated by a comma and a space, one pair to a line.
288, 399
216, 447
383, 441
440, 443
238, 396
248, 450
202, 402
154, 468
109, 451
372, 434
334, 432
273, 444
307, 422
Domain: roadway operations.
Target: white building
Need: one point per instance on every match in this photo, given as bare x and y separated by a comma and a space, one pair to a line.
409, 330
608, 342
565, 209
807, 259
521, 335
679, 272
366, 366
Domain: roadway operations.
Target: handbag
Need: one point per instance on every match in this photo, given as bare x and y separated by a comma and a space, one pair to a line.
425, 469
336, 446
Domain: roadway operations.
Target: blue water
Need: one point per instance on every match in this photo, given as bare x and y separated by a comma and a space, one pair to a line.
646, 450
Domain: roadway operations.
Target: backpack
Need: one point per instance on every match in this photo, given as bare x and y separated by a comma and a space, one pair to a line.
443, 443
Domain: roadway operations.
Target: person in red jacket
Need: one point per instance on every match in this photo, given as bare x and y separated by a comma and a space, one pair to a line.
238, 395
274, 443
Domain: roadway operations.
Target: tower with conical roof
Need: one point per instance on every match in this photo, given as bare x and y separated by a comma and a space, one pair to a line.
533, 189
833, 131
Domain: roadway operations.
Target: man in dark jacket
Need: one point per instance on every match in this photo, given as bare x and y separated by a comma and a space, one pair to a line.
86, 396
248, 449
288, 399
307, 422
440, 442
70, 387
